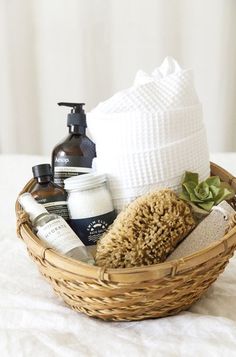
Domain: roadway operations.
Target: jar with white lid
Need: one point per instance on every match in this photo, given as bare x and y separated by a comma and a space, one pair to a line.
90, 206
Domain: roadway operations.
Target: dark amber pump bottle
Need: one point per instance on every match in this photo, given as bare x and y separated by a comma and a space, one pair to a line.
74, 154
46, 192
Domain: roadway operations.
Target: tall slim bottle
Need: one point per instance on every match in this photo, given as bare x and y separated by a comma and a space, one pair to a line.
54, 230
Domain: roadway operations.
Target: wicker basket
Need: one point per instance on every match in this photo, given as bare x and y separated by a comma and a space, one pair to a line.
132, 293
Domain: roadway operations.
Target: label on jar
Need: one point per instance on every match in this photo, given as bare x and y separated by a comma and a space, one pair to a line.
68, 166
90, 229
58, 235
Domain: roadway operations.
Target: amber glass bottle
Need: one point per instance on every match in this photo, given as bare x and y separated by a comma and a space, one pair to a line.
74, 154
46, 192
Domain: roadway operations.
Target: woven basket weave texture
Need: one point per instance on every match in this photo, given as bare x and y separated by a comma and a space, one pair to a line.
133, 293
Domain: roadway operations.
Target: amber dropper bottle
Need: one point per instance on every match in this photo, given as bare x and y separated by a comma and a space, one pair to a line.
46, 192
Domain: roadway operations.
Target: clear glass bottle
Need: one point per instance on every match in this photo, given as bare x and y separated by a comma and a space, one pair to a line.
54, 230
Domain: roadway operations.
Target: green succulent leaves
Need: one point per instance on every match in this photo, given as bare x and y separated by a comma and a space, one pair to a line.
206, 194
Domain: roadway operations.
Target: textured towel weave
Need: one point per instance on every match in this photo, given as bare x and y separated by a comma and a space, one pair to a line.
148, 135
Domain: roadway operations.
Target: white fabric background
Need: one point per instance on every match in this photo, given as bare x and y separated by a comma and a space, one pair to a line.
82, 50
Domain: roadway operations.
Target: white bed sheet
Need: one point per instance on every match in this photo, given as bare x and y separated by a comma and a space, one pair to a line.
34, 322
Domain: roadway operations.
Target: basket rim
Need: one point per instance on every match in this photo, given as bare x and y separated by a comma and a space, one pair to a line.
66, 267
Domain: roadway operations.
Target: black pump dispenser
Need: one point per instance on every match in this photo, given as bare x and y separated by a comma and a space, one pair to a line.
75, 153
77, 115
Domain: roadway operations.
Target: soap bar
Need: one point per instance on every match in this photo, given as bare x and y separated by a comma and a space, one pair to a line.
212, 228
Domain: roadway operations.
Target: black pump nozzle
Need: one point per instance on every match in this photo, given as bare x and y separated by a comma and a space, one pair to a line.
77, 117
76, 107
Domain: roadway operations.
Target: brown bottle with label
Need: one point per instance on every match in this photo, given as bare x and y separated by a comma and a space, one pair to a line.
46, 192
74, 154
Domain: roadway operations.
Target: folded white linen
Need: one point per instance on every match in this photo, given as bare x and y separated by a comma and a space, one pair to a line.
150, 133
152, 166
136, 131
173, 90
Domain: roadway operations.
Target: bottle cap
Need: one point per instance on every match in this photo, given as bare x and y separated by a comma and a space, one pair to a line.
84, 182
31, 206
42, 170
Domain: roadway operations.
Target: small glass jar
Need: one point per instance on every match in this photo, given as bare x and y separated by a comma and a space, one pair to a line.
90, 206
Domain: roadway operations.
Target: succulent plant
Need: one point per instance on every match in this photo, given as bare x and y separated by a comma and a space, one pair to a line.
206, 194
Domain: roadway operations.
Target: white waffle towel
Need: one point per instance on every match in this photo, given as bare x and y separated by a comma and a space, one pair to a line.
147, 135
